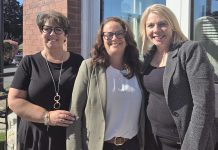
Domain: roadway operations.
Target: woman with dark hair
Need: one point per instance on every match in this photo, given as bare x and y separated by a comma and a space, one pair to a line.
42, 88
108, 97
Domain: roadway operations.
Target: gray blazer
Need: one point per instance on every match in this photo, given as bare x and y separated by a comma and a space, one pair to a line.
189, 92
89, 104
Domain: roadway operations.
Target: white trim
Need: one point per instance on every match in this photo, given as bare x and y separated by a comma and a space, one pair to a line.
90, 20
182, 10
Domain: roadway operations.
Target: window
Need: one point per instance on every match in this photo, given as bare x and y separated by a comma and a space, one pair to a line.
205, 27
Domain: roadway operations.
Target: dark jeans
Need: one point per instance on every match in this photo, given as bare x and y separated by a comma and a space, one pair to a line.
132, 144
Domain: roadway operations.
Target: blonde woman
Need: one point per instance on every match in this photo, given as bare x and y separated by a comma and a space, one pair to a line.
179, 79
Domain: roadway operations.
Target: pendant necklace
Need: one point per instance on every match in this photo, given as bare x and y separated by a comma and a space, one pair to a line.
57, 97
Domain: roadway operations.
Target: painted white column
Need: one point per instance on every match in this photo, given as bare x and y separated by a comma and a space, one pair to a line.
182, 10
90, 21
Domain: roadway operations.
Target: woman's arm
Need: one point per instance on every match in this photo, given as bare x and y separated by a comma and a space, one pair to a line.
17, 103
79, 98
23, 108
200, 76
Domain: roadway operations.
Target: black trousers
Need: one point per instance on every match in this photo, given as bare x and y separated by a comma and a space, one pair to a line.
132, 144
166, 144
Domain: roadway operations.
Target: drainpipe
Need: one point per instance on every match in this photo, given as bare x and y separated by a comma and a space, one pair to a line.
1, 43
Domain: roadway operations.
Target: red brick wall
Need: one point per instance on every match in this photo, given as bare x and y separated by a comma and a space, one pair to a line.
74, 16
32, 42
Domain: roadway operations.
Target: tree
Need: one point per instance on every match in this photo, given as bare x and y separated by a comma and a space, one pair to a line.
13, 20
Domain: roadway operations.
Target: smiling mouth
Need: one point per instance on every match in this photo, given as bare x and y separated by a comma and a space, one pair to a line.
158, 37
113, 44
52, 40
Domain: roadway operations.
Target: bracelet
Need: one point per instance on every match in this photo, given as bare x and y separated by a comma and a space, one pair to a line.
46, 118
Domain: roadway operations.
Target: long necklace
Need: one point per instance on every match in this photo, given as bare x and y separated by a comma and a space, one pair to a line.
57, 97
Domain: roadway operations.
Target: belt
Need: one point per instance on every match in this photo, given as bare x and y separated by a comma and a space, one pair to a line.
118, 141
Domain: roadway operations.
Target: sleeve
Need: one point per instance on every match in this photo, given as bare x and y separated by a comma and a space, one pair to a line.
79, 98
200, 76
78, 59
22, 75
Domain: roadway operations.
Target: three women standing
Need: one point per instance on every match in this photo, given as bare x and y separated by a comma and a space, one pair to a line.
108, 99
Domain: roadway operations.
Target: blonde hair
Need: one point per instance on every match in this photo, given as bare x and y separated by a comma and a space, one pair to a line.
166, 13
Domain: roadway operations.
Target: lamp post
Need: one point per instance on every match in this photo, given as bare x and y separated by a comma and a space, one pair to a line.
1, 42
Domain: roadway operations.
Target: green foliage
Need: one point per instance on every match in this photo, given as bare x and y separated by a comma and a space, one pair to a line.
13, 20
2, 137
2, 140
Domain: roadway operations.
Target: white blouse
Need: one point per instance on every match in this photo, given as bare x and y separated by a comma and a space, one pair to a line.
123, 105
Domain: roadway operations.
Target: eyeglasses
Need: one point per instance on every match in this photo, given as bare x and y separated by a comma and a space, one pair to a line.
109, 35
49, 29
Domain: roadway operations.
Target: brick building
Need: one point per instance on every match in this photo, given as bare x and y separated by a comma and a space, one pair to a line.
32, 42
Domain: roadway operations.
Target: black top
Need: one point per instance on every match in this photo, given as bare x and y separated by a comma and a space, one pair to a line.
158, 112
33, 76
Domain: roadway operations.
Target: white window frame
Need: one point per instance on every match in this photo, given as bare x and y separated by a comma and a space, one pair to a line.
90, 21
182, 10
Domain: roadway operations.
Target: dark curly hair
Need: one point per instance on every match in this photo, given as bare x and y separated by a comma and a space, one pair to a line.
131, 62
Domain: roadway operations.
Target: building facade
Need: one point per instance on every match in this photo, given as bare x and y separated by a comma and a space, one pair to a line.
31, 35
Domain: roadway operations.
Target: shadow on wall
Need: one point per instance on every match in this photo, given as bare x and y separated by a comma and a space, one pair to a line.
206, 31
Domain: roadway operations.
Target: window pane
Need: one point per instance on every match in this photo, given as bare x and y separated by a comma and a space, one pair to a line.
205, 15
128, 10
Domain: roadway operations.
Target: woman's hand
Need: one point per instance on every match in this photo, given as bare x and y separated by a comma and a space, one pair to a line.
61, 118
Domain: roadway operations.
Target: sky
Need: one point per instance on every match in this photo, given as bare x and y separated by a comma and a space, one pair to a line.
20, 1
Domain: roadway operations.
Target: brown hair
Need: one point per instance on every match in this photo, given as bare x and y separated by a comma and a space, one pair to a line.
55, 18
100, 56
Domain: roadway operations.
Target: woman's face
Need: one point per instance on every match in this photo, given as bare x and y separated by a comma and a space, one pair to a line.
158, 31
114, 39
53, 36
